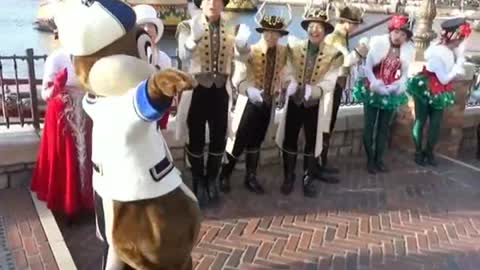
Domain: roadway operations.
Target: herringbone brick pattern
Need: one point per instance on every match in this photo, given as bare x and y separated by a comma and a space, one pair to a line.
411, 218
407, 219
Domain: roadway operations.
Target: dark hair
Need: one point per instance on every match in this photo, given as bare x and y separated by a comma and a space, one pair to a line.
198, 3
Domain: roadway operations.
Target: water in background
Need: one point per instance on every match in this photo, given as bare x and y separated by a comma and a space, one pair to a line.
18, 34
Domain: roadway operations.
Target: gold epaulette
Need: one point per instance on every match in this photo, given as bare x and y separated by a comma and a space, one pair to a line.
183, 26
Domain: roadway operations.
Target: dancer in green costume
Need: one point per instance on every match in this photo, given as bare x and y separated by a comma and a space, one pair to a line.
383, 89
432, 89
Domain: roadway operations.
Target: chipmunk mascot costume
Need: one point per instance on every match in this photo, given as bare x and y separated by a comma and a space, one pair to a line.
146, 216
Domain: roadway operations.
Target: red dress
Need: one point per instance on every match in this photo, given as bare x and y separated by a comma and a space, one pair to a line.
63, 173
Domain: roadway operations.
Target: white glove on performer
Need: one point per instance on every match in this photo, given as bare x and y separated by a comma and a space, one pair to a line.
376, 84
254, 95
242, 36
393, 89
308, 91
292, 88
458, 69
383, 90
196, 32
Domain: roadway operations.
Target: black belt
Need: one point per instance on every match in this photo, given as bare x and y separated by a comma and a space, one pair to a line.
157, 172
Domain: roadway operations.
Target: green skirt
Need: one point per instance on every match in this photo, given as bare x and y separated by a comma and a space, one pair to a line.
417, 87
390, 102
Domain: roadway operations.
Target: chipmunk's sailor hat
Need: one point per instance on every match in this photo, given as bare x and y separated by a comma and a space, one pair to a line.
87, 26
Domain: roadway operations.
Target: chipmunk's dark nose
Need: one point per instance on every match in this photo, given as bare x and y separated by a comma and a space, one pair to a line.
88, 2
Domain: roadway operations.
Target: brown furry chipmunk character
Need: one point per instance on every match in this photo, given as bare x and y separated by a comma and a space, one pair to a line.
145, 214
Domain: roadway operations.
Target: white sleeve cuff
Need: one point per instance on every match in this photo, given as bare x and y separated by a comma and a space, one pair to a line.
46, 93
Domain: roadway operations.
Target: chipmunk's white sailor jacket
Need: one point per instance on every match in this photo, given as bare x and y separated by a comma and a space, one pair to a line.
130, 156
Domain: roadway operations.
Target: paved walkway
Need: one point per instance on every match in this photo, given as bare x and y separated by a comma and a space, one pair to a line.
411, 218
23, 243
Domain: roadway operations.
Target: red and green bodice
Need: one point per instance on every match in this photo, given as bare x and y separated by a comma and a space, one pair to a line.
389, 71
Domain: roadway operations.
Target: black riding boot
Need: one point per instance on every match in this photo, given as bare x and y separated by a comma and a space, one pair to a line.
214, 164
289, 163
316, 172
227, 170
199, 182
430, 157
309, 189
251, 181
324, 155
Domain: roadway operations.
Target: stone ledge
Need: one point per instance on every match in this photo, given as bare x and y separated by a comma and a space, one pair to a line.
471, 116
18, 146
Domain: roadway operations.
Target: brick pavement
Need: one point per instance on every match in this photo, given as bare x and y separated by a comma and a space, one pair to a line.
23, 244
411, 218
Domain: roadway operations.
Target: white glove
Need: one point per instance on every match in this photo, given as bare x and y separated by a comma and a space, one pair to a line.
363, 41
242, 36
376, 84
196, 29
308, 91
383, 90
458, 69
399, 91
393, 89
292, 88
254, 95
461, 61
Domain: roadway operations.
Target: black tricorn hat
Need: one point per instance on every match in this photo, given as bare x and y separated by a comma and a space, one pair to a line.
455, 29
274, 24
452, 25
198, 3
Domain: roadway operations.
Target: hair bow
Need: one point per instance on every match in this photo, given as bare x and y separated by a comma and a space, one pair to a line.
465, 30
397, 22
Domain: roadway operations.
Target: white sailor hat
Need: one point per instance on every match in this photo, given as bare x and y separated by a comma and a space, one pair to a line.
87, 26
148, 14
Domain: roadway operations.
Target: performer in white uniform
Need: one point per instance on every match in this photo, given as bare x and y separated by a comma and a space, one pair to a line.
348, 19
258, 76
206, 47
312, 69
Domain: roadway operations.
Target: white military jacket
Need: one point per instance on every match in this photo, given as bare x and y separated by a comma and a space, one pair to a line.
130, 156
440, 60
323, 79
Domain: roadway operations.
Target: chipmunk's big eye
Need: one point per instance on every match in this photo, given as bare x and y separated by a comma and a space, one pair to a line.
145, 47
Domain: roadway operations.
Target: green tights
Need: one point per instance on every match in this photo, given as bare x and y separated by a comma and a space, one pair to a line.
382, 119
422, 113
